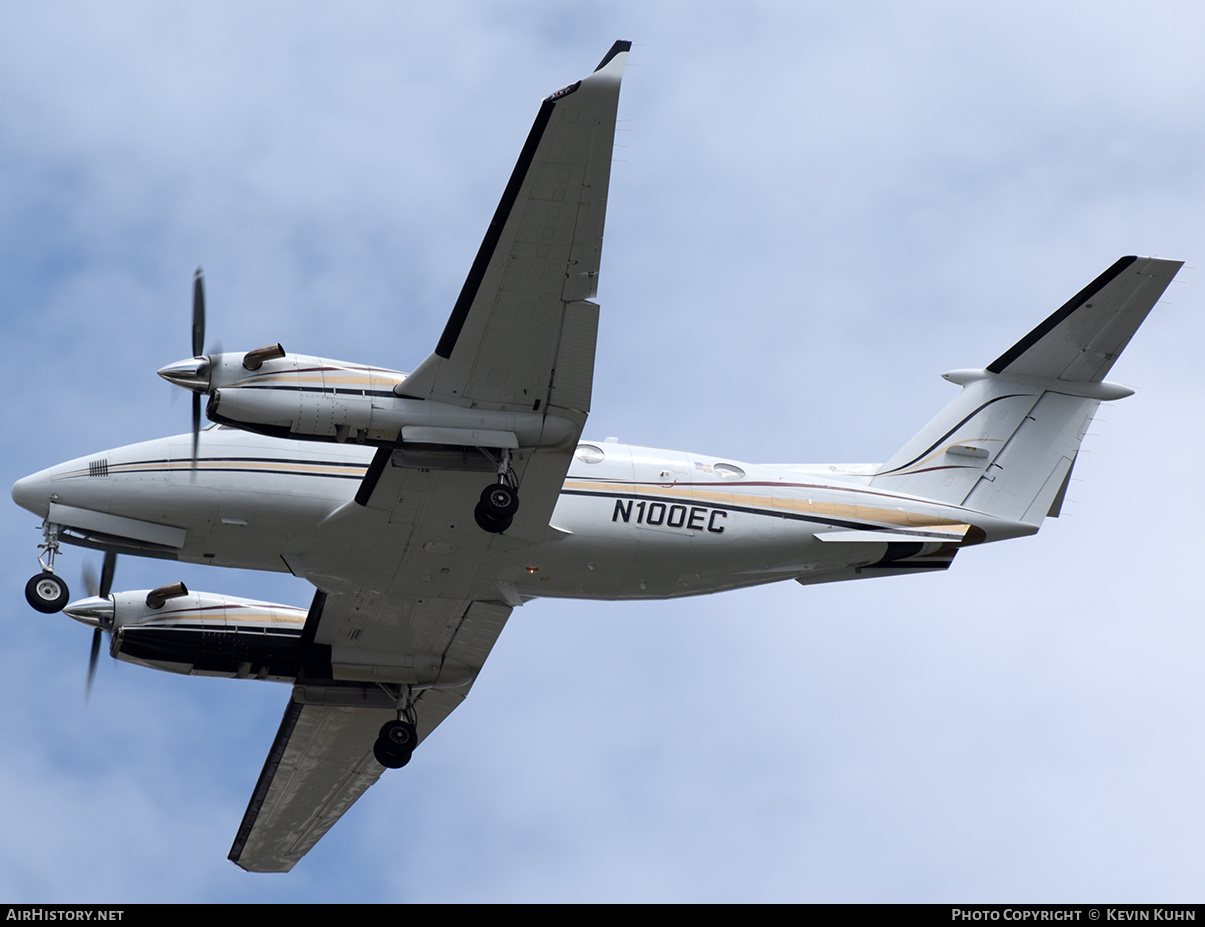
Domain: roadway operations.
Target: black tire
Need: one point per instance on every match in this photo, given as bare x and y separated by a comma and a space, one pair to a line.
500, 501
387, 758
487, 522
395, 743
47, 593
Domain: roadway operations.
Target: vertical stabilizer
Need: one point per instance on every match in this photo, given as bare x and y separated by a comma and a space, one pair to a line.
1006, 444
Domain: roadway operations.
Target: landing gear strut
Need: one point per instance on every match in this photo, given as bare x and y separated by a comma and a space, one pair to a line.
499, 501
47, 592
397, 739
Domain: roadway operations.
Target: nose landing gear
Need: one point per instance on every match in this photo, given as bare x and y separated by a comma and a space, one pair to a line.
46, 592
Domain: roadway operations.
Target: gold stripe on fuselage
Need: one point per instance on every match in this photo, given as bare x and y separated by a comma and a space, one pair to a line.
820, 510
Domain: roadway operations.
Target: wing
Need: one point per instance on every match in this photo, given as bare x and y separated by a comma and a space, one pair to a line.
408, 593
322, 759
522, 304
320, 762
521, 336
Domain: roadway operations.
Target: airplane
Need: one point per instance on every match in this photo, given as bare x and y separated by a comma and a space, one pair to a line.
424, 507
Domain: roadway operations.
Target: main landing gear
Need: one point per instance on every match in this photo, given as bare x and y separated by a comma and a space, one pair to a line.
397, 739
497, 508
499, 501
395, 743
47, 592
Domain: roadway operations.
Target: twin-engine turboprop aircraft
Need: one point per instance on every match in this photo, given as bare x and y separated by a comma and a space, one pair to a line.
423, 508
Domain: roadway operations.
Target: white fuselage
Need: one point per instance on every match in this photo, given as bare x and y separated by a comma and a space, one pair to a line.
631, 522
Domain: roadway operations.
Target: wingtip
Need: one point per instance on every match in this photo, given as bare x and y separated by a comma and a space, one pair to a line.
618, 48
1170, 262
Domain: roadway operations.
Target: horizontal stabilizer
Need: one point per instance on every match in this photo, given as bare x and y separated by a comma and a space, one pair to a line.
950, 534
1082, 339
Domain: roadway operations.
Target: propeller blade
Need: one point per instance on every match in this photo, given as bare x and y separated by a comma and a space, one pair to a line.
104, 585
196, 428
88, 575
198, 345
102, 589
198, 312
92, 664
106, 574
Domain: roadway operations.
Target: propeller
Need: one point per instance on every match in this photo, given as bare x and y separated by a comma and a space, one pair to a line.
196, 374
100, 589
198, 345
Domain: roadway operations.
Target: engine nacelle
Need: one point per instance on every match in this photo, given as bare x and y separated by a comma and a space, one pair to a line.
294, 395
311, 398
377, 420
202, 634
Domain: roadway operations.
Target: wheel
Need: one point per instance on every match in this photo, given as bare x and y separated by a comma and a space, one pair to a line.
399, 734
395, 743
47, 593
487, 522
500, 501
387, 757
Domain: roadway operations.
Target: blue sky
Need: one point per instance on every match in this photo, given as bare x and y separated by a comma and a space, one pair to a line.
815, 210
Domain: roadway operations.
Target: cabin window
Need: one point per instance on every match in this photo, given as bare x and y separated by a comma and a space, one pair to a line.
588, 453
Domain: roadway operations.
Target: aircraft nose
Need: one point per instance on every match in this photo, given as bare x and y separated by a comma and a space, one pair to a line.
33, 493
